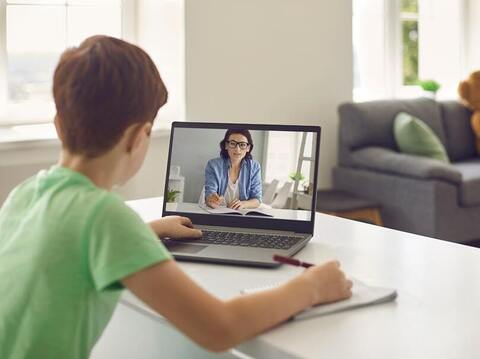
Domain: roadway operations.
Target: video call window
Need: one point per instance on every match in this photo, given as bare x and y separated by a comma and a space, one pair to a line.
242, 172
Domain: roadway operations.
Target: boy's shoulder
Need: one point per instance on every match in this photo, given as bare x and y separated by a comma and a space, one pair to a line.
60, 193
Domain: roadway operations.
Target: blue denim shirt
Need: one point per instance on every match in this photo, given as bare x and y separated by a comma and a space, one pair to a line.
250, 178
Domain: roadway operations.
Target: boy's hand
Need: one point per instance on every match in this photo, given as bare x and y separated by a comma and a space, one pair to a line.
175, 227
328, 283
214, 200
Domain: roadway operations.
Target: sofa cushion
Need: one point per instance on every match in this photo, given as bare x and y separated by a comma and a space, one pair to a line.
371, 123
414, 137
381, 159
470, 187
458, 131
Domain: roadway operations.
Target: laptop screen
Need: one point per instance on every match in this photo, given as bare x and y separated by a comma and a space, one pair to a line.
255, 171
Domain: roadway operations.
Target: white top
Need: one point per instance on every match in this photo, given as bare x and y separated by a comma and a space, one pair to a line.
231, 192
436, 314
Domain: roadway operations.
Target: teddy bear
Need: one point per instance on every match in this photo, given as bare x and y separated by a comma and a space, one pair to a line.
469, 91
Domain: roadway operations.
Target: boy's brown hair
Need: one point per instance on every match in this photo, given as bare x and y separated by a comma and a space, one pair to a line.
101, 88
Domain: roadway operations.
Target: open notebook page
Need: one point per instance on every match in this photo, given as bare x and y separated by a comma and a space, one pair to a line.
362, 295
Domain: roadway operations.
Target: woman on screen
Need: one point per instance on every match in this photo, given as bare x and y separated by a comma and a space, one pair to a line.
234, 179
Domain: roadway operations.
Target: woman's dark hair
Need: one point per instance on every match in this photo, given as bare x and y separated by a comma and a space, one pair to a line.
246, 133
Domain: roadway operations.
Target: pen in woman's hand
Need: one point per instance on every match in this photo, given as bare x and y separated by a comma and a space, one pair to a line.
218, 198
214, 200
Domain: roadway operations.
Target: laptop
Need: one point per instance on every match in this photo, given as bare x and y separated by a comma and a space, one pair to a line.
251, 189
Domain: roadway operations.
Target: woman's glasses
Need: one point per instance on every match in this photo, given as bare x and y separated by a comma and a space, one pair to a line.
242, 145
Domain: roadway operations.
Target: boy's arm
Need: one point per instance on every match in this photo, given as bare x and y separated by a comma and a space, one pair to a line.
219, 325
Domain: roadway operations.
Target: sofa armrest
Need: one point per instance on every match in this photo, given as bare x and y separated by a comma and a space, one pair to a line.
388, 161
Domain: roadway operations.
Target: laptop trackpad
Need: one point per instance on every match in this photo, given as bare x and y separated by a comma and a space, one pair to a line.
185, 248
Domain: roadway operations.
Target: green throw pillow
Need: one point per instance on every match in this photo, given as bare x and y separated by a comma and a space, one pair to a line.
414, 137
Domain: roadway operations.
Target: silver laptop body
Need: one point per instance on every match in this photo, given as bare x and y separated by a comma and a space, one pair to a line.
243, 239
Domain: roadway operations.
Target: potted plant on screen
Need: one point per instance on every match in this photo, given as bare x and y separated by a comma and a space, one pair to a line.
298, 176
172, 195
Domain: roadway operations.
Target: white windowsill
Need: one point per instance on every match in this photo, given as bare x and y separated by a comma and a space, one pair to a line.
24, 136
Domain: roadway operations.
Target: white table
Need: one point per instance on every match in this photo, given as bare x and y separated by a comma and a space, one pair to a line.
436, 314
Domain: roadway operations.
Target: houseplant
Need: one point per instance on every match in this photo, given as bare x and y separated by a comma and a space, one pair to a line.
430, 86
172, 195
298, 176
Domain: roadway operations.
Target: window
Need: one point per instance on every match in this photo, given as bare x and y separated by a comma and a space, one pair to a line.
370, 50
409, 25
282, 156
396, 43
35, 34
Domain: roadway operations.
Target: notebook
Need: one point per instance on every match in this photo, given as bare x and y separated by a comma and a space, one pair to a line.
362, 295
245, 212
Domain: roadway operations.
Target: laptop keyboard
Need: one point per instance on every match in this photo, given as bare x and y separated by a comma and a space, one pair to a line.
248, 239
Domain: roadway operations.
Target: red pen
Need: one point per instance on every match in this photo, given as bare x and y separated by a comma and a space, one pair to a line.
291, 261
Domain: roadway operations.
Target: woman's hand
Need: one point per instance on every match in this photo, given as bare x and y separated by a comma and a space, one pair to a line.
214, 200
236, 204
175, 227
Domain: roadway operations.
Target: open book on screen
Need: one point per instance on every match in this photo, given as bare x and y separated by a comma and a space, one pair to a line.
244, 212
362, 295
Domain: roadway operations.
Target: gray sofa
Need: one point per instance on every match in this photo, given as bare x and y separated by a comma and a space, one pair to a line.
417, 194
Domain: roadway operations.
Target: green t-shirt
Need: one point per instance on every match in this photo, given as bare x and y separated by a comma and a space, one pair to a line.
65, 245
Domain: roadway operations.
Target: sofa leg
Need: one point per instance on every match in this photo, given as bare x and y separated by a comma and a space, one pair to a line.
371, 215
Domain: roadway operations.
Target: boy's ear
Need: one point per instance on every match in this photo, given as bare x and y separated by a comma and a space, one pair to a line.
137, 134
58, 128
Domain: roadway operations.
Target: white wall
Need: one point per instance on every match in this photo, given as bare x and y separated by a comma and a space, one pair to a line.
270, 61
18, 163
150, 180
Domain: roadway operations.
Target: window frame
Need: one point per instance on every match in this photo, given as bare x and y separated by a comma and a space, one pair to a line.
392, 56
392, 68
129, 33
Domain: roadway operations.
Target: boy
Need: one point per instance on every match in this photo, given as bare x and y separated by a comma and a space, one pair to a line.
68, 245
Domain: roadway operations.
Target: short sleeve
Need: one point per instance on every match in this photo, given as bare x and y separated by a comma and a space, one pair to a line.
119, 243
